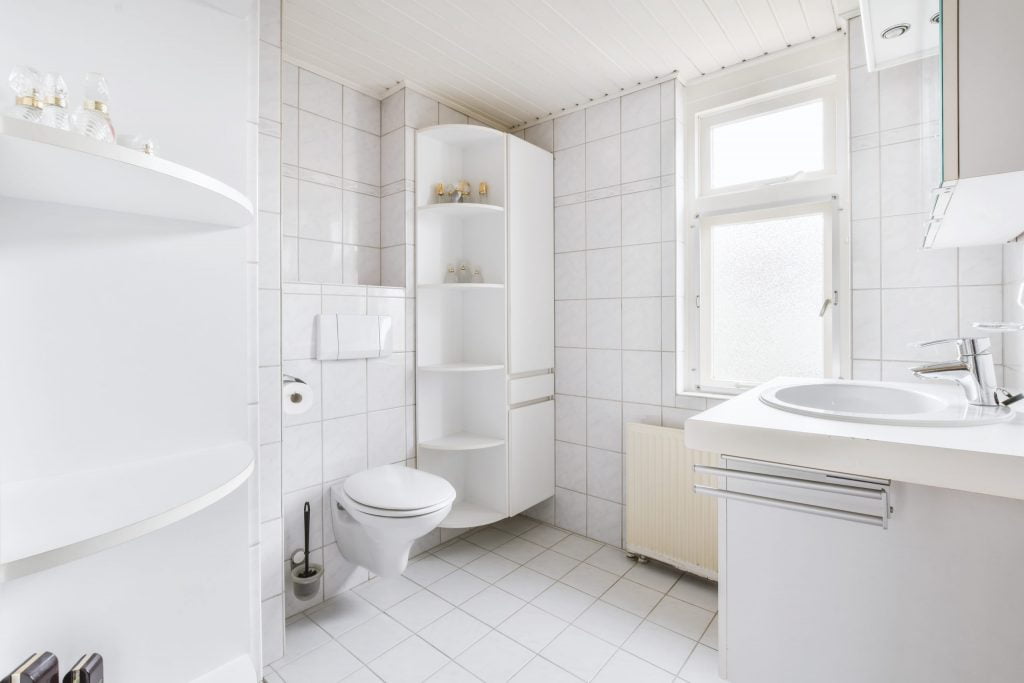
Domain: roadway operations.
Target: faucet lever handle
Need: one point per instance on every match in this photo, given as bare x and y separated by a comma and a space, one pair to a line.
965, 346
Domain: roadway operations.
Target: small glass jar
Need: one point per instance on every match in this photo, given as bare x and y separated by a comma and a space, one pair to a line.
450, 275
482, 193
477, 277
92, 118
24, 81
464, 274
439, 194
55, 103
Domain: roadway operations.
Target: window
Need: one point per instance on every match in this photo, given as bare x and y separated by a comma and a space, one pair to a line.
762, 268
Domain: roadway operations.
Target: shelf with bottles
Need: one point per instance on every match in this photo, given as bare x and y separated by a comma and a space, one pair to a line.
50, 156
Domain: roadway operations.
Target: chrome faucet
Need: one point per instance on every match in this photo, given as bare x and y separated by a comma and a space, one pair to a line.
974, 370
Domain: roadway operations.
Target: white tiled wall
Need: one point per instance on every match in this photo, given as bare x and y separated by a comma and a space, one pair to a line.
1013, 282
615, 231
904, 294
266, 251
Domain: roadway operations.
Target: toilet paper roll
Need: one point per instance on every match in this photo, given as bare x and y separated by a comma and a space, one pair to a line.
296, 398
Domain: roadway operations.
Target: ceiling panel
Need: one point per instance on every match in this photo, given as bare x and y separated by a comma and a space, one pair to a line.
512, 61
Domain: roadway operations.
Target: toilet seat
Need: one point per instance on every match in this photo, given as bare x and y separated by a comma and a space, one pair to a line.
395, 491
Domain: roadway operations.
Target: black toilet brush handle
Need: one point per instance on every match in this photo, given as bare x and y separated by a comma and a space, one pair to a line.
305, 531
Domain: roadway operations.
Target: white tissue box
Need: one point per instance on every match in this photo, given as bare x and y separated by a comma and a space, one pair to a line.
341, 337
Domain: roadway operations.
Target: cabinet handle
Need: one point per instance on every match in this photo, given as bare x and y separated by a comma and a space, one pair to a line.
872, 520
873, 493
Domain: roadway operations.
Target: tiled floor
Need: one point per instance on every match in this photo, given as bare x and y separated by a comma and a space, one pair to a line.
515, 601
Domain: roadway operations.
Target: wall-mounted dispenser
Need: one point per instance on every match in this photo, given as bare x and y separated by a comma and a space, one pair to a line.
305, 576
296, 396
341, 337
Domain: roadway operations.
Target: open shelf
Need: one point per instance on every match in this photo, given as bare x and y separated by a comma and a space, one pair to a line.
466, 514
462, 367
460, 210
45, 164
463, 285
52, 520
462, 441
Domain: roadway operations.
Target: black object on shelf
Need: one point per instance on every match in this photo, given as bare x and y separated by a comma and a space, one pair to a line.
41, 667
88, 669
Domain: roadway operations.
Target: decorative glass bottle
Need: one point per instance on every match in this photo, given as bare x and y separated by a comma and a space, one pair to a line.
477, 277
92, 118
482, 193
25, 84
464, 275
55, 103
450, 275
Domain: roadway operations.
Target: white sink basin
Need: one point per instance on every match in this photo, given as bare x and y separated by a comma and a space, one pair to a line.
880, 403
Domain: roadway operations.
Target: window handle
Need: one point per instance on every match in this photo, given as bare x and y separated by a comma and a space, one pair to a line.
824, 307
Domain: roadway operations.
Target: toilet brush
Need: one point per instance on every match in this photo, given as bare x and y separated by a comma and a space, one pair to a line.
305, 577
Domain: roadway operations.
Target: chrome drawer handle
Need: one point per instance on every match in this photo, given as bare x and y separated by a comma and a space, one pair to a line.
872, 520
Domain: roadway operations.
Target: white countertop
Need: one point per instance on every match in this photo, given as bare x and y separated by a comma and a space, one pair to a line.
986, 459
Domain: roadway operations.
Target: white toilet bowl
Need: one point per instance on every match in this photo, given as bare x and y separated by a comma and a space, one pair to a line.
377, 514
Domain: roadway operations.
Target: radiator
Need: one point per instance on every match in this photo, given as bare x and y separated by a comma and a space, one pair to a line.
665, 519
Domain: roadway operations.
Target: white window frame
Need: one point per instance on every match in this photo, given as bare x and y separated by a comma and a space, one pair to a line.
817, 71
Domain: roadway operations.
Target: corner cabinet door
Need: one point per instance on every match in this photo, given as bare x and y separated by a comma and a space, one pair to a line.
531, 455
531, 258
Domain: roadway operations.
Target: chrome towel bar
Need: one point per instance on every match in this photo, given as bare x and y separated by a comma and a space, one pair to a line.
873, 493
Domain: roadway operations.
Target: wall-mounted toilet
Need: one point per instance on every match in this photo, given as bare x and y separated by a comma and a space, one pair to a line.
377, 514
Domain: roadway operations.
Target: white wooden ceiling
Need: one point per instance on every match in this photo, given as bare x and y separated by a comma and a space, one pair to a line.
515, 60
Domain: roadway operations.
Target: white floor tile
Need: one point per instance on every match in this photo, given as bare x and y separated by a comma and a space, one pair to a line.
489, 537
459, 552
384, 593
516, 525
626, 667
696, 591
454, 632
612, 560
374, 638
524, 583
301, 636
519, 550
579, 653
563, 601
702, 666
420, 609
590, 579
458, 587
453, 673
540, 670
428, 569
492, 606
681, 617
550, 563
491, 567
654, 575
544, 535
632, 597
328, 663
271, 676
577, 546
533, 627
363, 675
663, 648
608, 622
411, 661
495, 658
710, 637
341, 613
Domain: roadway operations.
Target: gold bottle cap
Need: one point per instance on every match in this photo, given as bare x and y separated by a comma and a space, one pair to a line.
56, 101
95, 105
483, 188
28, 101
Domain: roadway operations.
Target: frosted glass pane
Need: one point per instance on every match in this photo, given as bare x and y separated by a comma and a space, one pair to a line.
772, 145
766, 290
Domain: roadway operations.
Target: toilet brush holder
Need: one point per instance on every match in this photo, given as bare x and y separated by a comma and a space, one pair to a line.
306, 586
304, 575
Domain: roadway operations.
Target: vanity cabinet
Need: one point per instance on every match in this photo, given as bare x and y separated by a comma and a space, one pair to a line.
934, 596
982, 135
485, 348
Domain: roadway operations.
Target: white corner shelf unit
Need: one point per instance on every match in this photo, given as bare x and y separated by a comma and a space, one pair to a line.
49, 165
485, 351
48, 521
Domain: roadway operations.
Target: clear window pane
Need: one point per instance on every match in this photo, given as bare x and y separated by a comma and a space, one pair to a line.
771, 145
767, 281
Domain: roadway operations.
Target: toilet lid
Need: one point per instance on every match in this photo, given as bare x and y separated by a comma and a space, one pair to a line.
396, 487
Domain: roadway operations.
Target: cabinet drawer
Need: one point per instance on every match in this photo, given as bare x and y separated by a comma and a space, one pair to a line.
526, 389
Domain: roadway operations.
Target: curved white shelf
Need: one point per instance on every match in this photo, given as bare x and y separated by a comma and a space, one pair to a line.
461, 367
463, 285
48, 165
49, 521
460, 210
462, 441
465, 515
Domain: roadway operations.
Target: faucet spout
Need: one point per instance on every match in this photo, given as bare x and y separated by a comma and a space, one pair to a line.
942, 368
